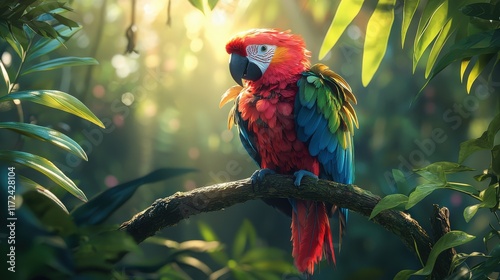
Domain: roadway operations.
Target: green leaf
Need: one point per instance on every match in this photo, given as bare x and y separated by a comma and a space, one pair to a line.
65, 21
246, 235
20, 36
421, 192
376, 39
212, 3
262, 253
433, 173
485, 142
428, 12
345, 14
446, 167
50, 216
463, 66
470, 211
400, 180
7, 35
100, 249
489, 199
464, 188
198, 4
459, 258
447, 241
495, 159
47, 45
481, 10
171, 272
442, 37
45, 167
42, 28
31, 185
194, 262
485, 175
389, 202
199, 246
409, 8
40, 10
275, 267
258, 271
404, 274
46, 134
106, 203
209, 235
477, 44
493, 236
481, 63
485, 269
57, 100
59, 63
433, 27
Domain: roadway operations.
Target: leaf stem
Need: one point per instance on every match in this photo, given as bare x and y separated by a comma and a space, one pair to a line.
464, 192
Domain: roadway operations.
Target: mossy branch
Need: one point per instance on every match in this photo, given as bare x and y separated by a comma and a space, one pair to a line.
169, 211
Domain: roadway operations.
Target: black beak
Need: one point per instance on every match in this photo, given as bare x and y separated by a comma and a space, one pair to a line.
241, 68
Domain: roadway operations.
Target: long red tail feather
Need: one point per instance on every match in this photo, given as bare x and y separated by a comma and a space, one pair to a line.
311, 235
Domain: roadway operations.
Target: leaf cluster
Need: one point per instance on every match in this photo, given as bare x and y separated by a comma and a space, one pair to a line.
34, 29
83, 245
435, 177
472, 31
248, 260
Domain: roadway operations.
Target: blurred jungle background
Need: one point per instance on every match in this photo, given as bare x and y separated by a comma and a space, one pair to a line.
162, 68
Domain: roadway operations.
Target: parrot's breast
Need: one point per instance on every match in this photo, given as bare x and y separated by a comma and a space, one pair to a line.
270, 118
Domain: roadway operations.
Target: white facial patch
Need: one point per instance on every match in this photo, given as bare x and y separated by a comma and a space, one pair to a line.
261, 55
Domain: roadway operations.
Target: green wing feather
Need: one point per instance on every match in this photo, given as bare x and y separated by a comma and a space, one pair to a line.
332, 96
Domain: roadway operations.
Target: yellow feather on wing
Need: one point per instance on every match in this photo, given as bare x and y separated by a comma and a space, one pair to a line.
227, 97
230, 95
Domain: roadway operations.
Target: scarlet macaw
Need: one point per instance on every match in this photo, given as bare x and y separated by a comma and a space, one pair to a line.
293, 119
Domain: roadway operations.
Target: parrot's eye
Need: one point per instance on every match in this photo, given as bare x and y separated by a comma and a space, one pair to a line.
263, 48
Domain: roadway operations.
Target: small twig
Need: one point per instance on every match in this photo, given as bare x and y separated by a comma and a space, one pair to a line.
93, 50
131, 32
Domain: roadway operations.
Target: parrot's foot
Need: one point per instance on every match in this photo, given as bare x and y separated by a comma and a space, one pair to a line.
259, 175
300, 174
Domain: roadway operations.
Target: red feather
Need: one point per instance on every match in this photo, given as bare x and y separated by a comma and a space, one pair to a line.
311, 235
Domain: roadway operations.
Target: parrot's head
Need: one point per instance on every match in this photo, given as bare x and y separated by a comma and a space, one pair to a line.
267, 56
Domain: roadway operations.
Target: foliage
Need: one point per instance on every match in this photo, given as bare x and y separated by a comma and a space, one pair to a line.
435, 177
472, 30
34, 29
248, 260
201, 4
85, 246
103, 205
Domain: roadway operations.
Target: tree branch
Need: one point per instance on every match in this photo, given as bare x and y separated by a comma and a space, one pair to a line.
169, 211
440, 224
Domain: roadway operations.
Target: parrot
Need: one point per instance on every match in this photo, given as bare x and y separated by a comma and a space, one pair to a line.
295, 119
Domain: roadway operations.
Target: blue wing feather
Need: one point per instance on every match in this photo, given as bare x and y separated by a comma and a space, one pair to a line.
304, 116
247, 137
312, 128
336, 161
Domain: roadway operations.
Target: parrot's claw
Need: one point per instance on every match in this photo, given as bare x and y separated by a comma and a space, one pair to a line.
300, 174
259, 175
